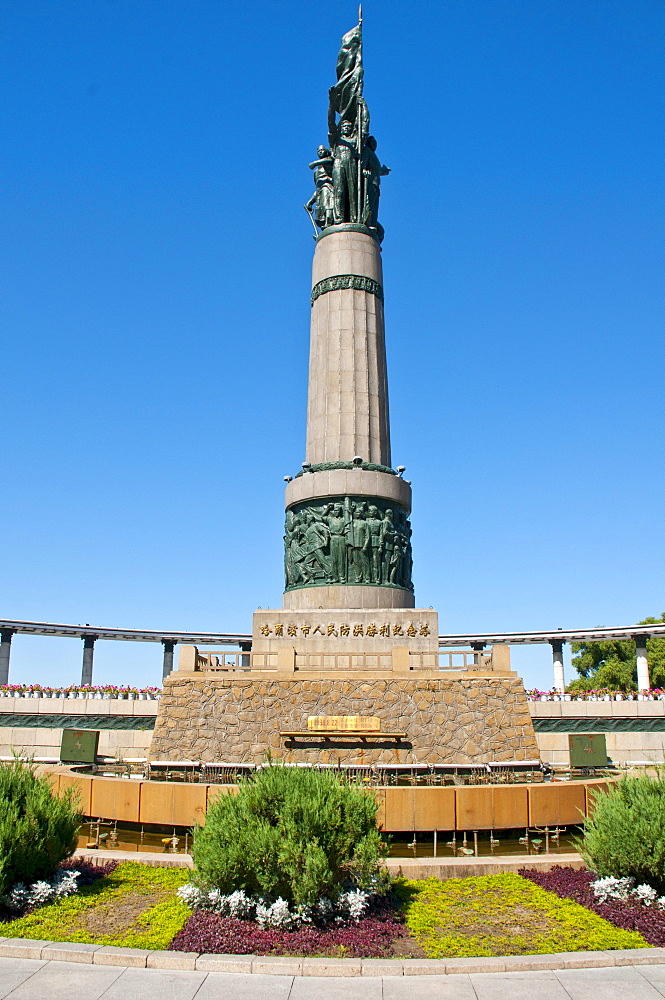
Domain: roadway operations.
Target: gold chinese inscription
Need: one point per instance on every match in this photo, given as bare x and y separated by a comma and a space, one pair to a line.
384, 630
346, 723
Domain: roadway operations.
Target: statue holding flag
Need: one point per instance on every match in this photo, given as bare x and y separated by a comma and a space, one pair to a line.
356, 170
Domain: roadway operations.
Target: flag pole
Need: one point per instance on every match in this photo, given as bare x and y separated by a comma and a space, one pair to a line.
359, 115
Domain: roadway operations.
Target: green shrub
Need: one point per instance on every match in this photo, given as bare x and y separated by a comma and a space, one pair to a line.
290, 832
37, 829
626, 833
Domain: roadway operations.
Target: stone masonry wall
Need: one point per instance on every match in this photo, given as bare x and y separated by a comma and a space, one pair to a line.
447, 721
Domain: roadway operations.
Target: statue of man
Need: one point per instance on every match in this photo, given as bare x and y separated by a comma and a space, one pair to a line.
344, 171
359, 541
388, 539
337, 522
396, 561
323, 196
373, 171
316, 538
375, 524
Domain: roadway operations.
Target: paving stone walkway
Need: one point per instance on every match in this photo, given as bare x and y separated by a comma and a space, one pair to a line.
35, 979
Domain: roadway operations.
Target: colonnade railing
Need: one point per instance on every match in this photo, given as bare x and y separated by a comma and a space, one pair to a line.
90, 635
556, 639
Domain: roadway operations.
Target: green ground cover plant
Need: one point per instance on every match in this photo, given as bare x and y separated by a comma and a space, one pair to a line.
294, 833
37, 828
625, 835
134, 907
503, 915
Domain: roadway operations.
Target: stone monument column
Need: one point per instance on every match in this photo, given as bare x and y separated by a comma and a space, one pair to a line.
347, 412
347, 533
347, 671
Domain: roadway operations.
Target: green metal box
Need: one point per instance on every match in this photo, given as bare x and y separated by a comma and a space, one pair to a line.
587, 749
79, 746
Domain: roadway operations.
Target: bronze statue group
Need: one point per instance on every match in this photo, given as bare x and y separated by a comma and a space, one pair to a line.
347, 172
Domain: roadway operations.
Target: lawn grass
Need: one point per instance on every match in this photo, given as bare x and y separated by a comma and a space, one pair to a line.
134, 907
503, 915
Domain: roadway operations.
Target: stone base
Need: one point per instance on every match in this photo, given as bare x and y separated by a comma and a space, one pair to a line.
347, 596
357, 631
239, 718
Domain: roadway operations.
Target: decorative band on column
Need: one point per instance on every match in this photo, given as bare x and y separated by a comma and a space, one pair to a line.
338, 281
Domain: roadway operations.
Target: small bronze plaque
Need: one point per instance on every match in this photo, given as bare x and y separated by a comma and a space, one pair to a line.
79, 746
587, 749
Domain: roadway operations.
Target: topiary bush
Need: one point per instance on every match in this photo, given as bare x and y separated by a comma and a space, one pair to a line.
625, 835
37, 829
291, 832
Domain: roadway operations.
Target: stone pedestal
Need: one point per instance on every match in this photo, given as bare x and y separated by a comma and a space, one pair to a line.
343, 633
242, 718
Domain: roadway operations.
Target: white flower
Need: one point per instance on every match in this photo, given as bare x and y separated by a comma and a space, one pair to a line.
18, 897
355, 903
324, 909
40, 893
275, 915
612, 888
190, 894
239, 905
645, 894
65, 883
215, 900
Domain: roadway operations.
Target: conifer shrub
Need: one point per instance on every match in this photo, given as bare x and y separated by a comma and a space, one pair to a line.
625, 835
293, 833
37, 829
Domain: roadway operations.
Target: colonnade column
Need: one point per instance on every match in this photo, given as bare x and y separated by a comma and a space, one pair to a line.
477, 648
557, 662
643, 682
5, 651
88, 655
169, 646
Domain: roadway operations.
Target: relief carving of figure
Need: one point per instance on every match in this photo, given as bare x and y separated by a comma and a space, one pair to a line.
374, 523
350, 542
337, 522
316, 539
359, 541
388, 538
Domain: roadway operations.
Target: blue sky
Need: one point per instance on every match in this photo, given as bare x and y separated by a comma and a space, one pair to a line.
155, 307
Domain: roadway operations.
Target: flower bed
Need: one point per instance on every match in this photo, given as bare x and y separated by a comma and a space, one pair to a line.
602, 694
70, 877
504, 915
209, 933
78, 691
135, 906
629, 913
138, 906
